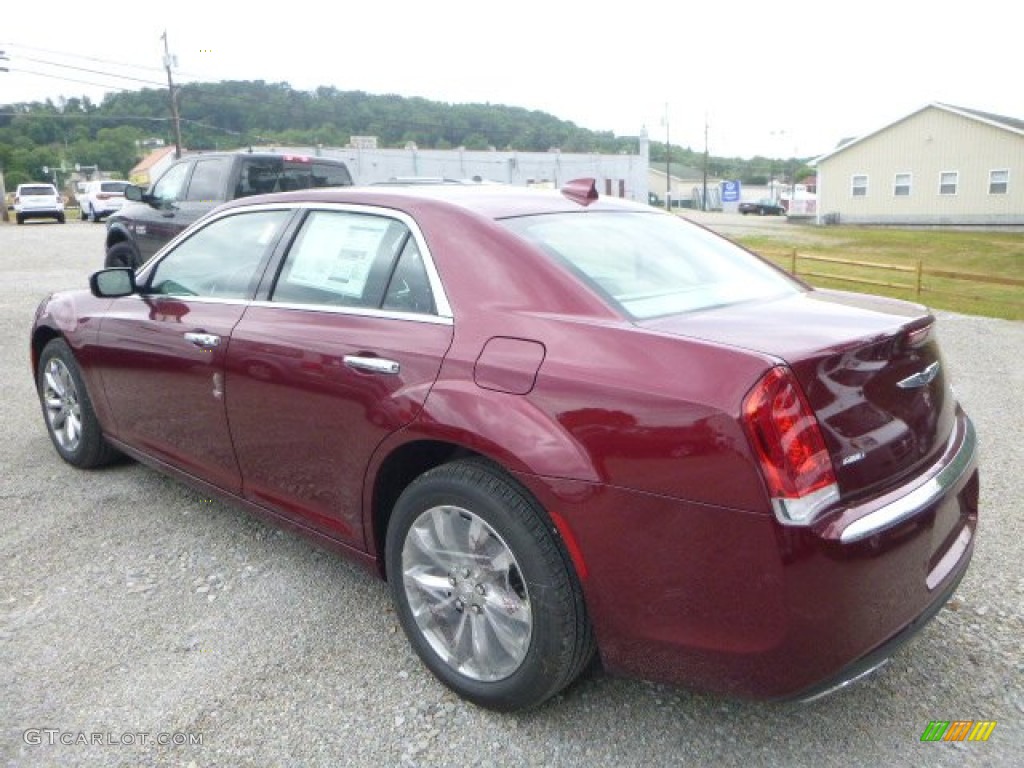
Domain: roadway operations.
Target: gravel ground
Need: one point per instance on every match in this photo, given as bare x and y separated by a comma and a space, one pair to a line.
131, 606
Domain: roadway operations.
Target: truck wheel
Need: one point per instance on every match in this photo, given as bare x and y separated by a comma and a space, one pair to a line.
122, 255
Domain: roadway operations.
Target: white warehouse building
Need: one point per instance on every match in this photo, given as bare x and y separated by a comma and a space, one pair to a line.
623, 175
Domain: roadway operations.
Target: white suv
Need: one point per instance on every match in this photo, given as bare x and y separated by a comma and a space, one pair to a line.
101, 198
38, 201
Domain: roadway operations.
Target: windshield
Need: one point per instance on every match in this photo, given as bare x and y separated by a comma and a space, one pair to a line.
650, 264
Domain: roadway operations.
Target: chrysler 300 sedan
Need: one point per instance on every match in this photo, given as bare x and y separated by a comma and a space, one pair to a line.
559, 426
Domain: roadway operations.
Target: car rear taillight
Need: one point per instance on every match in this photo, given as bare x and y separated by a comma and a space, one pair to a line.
103, 196
787, 441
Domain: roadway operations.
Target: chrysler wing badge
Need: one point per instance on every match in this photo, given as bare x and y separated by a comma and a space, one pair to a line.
920, 379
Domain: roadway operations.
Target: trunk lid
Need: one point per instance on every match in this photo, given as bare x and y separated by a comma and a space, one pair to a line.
870, 368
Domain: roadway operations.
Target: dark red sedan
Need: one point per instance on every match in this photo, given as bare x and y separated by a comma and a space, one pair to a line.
558, 425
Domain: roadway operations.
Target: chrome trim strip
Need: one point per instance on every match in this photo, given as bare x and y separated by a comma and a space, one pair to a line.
928, 492
192, 299
848, 681
386, 314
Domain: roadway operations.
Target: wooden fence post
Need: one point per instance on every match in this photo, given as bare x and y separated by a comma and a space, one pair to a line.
920, 270
792, 270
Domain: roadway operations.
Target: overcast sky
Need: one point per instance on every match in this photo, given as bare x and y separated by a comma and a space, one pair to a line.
773, 77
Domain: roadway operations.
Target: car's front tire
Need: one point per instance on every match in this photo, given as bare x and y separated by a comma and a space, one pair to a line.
67, 409
122, 255
484, 589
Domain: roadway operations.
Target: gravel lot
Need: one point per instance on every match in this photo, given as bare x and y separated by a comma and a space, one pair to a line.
130, 606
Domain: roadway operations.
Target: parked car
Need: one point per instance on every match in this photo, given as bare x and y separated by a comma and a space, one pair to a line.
763, 207
99, 199
197, 184
554, 423
38, 201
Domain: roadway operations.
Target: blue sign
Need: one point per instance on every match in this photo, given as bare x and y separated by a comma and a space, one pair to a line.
730, 191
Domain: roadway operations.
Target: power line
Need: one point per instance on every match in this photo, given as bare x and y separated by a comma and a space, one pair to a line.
93, 58
82, 116
116, 118
69, 79
92, 71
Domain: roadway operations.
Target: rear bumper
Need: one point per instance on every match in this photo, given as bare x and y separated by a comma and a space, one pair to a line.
39, 213
737, 603
877, 658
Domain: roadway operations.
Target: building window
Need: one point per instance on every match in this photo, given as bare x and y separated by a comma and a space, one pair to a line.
998, 182
948, 182
901, 186
859, 186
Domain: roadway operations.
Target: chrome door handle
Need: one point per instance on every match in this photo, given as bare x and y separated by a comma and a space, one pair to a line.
203, 340
371, 364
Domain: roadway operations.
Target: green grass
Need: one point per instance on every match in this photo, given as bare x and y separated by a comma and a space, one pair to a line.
998, 254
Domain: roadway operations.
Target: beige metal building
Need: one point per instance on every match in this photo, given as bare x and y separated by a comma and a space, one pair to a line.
939, 165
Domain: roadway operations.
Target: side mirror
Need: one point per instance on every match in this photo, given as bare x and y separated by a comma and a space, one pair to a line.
112, 283
134, 193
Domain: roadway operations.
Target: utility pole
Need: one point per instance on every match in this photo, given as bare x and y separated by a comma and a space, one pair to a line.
704, 203
4, 216
668, 165
168, 62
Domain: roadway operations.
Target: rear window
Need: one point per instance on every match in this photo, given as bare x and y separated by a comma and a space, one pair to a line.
115, 187
38, 189
264, 175
651, 264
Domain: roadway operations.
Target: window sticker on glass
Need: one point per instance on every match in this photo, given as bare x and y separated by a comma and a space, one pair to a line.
336, 251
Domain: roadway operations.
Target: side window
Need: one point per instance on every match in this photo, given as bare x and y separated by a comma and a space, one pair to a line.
340, 259
327, 175
259, 176
207, 183
409, 288
171, 185
221, 260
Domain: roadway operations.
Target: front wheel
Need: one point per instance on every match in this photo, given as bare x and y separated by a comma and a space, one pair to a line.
484, 589
70, 419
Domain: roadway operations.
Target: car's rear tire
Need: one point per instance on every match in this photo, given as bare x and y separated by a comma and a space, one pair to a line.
92, 215
67, 409
60, 218
484, 589
122, 255
20, 218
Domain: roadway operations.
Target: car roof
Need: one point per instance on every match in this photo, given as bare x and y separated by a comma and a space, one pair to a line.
263, 155
490, 200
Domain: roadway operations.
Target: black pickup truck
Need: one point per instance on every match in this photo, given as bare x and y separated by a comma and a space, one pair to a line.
196, 184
